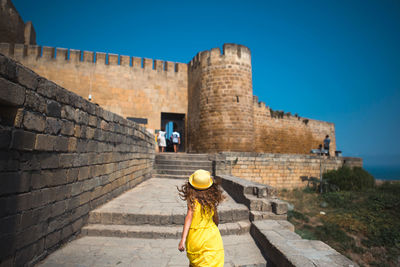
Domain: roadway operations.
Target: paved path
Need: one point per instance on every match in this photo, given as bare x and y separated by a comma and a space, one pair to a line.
152, 197
240, 250
158, 196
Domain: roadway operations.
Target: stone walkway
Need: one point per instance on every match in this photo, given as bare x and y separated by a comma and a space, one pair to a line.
89, 251
152, 198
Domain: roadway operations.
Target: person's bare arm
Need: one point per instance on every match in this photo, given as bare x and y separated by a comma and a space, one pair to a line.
186, 226
215, 217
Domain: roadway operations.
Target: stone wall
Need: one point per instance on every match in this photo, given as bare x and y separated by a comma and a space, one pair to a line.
276, 132
214, 92
127, 86
278, 170
60, 157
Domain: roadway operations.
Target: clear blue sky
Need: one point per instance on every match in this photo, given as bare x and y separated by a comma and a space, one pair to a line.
336, 61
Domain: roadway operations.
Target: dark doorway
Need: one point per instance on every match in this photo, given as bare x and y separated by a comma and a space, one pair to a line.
174, 122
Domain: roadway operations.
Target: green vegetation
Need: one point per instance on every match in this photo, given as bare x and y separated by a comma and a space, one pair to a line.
354, 179
361, 221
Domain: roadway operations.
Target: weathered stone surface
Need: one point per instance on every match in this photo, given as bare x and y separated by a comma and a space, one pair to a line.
45, 142
50, 191
11, 93
279, 207
53, 126
67, 128
53, 109
34, 121
8, 68
35, 101
5, 138
23, 140
26, 77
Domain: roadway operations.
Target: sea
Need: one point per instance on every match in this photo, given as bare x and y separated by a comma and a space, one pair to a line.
384, 172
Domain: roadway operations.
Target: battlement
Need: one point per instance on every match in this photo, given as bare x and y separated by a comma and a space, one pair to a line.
35, 52
230, 53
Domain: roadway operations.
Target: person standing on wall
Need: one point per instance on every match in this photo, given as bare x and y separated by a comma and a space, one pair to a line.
176, 139
327, 142
161, 140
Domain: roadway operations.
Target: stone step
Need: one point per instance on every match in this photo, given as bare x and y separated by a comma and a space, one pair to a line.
183, 162
190, 167
266, 215
152, 231
258, 204
101, 217
169, 176
182, 156
174, 172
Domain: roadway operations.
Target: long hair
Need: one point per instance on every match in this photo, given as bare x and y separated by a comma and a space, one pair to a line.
208, 198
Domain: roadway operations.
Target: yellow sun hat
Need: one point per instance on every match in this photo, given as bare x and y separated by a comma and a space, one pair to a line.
201, 179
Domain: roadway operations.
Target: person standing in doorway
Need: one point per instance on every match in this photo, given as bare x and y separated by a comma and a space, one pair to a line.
161, 140
327, 142
176, 139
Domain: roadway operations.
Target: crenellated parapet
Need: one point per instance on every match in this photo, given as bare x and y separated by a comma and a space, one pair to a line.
231, 53
63, 55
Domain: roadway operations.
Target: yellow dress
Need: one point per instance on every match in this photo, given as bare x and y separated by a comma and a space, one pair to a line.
204, 245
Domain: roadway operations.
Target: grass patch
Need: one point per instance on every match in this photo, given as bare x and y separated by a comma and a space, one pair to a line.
362, 224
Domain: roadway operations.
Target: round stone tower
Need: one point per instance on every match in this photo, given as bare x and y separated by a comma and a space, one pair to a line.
220, 112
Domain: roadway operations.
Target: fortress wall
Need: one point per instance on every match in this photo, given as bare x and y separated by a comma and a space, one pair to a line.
60, 157
12, 27
222, 120
127, 86
279, 170
281, 133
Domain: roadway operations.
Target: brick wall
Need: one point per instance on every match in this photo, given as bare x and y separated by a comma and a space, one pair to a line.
278, 170
127, 86
60, 157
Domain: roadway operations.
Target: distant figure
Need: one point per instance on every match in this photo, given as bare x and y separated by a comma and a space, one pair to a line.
176, 140
327, 141
161, 140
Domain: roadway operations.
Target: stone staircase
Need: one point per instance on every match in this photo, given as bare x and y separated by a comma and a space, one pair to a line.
161, 216
153, 211
180, 165
260, 199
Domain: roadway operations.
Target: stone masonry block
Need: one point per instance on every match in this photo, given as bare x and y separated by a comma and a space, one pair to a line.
35, 101
53, 125
68, 112
279, 207
8, 68
19, 117
93, 121
72, 144
48, 160
67, 128
61, 144
26, 77
53, 109
5, 138
11, 93
23, 140
52, 239
34, 121
47, 88
45, 142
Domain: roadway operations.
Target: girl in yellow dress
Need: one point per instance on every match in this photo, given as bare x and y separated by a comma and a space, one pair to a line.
200, 234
